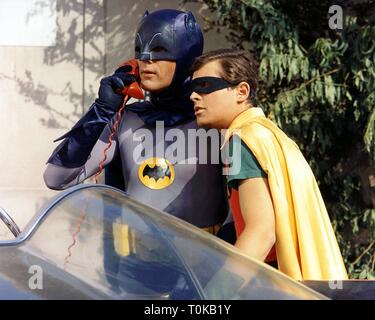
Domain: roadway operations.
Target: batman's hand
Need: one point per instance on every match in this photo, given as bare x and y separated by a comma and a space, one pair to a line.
110, 97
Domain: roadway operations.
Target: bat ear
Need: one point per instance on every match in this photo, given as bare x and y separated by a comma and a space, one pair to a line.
190, 24
145, 14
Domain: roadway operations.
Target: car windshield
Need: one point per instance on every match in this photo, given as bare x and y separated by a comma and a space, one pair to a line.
128, 250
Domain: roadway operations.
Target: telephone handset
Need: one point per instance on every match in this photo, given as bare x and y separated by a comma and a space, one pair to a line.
133, 90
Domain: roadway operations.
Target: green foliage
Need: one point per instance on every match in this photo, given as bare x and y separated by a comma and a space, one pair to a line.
318, 85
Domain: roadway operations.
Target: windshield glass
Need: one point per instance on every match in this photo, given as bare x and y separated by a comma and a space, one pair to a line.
129, 250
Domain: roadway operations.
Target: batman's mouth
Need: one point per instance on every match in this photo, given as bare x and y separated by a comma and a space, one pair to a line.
148, 72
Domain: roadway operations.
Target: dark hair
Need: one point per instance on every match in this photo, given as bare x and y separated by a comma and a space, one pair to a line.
237, 66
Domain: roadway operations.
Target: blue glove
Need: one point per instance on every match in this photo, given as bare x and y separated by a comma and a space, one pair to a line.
109, 97
80, 140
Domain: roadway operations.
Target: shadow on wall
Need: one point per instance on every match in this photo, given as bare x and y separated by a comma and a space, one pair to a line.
77, 38
76, 34
71, 38
39, 93
69, 48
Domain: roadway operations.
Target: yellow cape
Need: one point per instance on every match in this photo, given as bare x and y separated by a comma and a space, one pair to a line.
306, 245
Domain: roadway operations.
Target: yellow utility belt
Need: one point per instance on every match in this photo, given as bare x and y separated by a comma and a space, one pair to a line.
126, 241
213, 229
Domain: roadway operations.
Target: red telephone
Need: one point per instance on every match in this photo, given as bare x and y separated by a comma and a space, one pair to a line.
133, 90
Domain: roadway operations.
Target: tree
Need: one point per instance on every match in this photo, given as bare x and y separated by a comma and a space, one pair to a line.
318, 85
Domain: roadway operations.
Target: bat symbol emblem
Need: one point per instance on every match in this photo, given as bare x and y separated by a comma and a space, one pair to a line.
156, 173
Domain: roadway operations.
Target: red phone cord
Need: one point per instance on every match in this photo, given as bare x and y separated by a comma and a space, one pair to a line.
101, 164
114, 129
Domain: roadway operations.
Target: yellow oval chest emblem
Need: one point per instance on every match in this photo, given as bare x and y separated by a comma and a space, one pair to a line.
156, 173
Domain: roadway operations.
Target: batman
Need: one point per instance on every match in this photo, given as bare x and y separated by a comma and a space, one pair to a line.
191, 191
197, 193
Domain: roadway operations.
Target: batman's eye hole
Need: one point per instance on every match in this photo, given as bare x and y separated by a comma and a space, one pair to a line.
137, 49
159, 49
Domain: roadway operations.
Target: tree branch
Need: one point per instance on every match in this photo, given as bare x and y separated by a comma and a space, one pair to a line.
304, 84
363, 253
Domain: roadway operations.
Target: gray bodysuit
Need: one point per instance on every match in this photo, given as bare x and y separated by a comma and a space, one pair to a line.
178, 178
